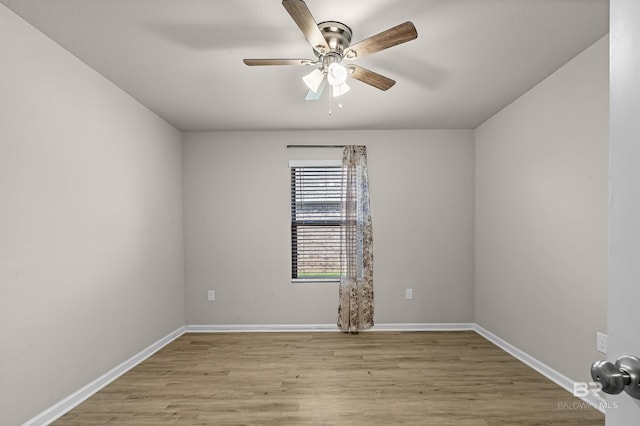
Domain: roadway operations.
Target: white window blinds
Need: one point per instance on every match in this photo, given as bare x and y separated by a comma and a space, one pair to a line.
316, 222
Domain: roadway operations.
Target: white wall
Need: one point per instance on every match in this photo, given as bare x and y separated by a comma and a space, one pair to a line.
238, 228
541, 216
91, 259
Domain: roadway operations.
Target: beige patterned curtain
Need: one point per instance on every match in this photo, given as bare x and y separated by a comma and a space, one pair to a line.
355, 311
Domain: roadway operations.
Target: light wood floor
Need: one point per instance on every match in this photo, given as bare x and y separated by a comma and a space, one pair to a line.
373, 378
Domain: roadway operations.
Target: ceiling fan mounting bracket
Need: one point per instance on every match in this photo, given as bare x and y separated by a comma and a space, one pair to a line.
337, 35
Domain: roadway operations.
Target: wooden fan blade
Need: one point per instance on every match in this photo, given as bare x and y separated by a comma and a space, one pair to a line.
371, 78
392, 37
307, 24
258, 62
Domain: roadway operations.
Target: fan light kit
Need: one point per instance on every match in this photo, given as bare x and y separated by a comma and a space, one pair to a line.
331, 42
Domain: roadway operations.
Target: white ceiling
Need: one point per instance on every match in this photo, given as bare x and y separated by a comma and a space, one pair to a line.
183, 59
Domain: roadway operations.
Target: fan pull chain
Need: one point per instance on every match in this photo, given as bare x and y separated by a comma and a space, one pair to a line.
330, 98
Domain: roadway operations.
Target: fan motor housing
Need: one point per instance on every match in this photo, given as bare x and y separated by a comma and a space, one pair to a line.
337, 35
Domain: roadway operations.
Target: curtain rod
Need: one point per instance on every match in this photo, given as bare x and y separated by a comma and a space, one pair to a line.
315, 146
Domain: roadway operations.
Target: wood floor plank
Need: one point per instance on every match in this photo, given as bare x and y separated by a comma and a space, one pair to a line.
373, 378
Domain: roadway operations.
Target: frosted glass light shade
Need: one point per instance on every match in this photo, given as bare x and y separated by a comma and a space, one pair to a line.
340, 89
336, 74
313, 80
314, 96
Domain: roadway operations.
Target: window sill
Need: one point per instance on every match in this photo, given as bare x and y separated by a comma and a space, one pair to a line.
315, 280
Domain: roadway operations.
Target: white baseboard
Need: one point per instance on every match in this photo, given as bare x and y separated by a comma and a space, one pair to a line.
59, 409
424, 327
67, 404
558, 378
267, 328
258, 328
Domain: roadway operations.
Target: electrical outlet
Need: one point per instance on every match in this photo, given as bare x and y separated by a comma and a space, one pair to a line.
601, 342
408, 294
211, 295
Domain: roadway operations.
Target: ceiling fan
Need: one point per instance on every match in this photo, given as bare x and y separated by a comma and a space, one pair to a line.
331, 42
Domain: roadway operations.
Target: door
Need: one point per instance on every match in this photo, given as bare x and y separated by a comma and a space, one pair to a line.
624, 204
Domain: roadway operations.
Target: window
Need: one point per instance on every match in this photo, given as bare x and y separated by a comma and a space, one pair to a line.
316, 220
